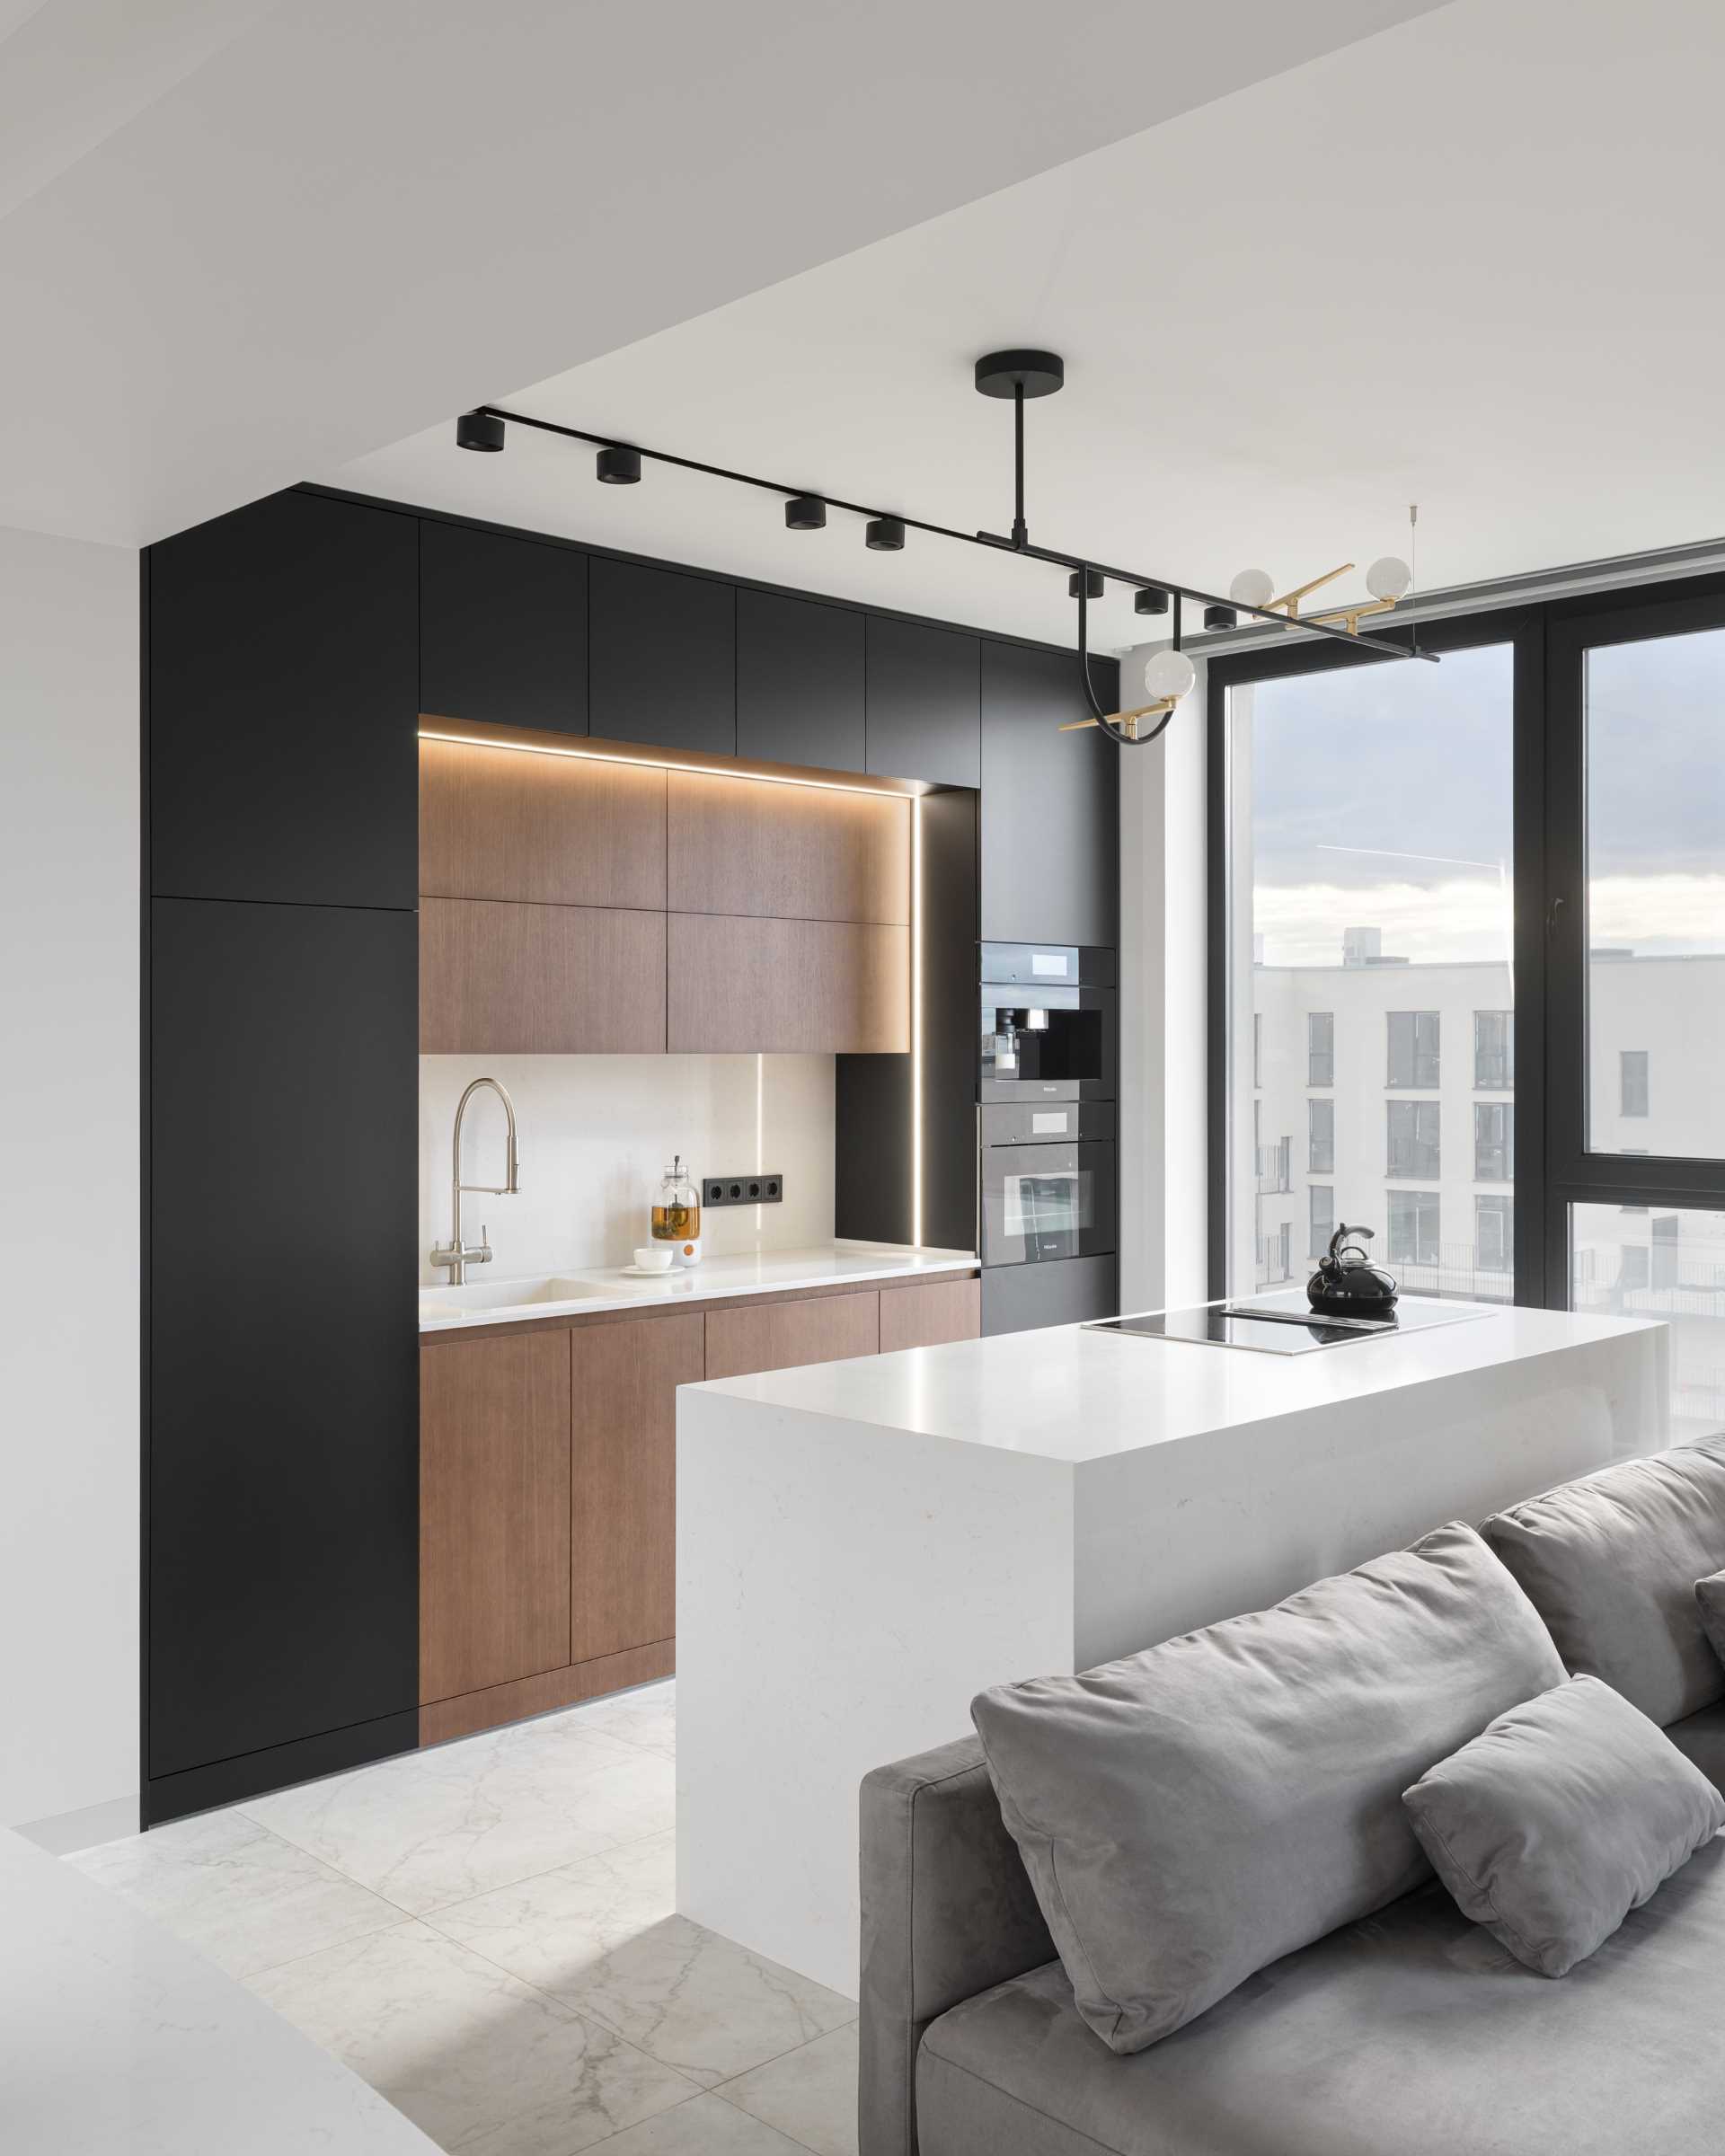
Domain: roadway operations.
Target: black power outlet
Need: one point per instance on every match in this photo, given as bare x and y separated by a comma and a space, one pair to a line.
757, 1189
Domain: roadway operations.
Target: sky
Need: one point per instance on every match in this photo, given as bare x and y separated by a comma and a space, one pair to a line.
1382, 798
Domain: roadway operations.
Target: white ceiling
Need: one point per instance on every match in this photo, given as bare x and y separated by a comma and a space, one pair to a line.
1471, 262
242, 243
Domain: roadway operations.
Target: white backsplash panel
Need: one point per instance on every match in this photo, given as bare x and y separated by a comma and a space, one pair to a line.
594, 1134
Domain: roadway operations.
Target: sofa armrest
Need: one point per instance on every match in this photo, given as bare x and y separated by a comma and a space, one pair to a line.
947, 1912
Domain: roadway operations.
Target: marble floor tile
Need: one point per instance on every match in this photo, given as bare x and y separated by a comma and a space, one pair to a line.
702, 2128
441, 1825
809, 2093
647, 1718
603, 1937
485, 2065
235, 1893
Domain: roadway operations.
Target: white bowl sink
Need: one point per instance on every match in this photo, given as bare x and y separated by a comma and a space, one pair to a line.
509, 1294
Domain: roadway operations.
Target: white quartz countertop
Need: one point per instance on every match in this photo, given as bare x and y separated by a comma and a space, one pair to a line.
588, 1291
1069, 1394
118, 2039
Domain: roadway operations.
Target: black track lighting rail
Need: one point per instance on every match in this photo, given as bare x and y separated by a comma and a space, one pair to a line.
1017, 545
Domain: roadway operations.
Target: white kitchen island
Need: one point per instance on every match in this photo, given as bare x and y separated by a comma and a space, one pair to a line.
862, 1546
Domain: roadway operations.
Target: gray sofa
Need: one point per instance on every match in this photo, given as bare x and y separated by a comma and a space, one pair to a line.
1410, 2033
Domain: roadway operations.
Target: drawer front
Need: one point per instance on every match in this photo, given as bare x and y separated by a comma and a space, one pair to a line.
826, 1329
929, 1312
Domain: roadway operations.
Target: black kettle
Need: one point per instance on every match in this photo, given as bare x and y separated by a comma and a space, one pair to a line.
1347, 1284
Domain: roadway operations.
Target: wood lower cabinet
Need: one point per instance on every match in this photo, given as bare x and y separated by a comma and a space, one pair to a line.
623, 1535
494, 1511
929, 1312
826, 1328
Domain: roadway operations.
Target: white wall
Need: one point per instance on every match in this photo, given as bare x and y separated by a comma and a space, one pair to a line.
596, 1132
69, 1171
1163, 992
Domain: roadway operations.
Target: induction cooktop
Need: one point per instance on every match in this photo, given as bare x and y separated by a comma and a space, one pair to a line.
1286, 1324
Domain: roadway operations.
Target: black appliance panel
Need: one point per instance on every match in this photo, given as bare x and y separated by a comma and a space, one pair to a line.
1045, 1121
1044, 1202
1046, 1043
1050, 965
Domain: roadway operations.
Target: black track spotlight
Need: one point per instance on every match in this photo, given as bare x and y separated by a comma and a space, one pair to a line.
618, 467
479, 430
1150, 600
885, 534
805, 513
1093, 584
1221, 617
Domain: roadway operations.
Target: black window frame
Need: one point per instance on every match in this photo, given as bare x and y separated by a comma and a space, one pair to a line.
1555, 1171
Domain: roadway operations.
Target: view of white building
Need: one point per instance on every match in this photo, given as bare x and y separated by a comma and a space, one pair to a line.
1384, 1095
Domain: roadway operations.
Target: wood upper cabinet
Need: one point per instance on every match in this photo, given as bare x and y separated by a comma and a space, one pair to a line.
798, 682
928, 1313
500, 979
925, 707
662, 658
502, 629
623, 1450
494, 1511
741, 845
1050, 802
737, 986
822, 1329
551, 830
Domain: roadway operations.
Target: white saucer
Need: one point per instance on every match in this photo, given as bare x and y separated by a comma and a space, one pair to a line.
649, 1272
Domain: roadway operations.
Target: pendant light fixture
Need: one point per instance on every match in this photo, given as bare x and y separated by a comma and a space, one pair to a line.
1022, 375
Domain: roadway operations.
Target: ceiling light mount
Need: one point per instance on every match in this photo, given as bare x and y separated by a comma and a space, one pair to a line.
1021, 374
805, 513
617, 465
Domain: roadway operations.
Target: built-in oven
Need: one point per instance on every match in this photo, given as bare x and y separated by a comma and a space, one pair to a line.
1048, 1023
1046, 1200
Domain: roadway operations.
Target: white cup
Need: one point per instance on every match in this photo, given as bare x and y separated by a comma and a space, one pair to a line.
653, 1257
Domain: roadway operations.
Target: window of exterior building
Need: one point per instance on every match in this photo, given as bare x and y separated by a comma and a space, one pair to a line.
1631, 1065
1494, 1234
1413, 1048
1494, 1142
1257, 1047
1320, 1137
1494, 1051
1414, 1147
1323, 1198
1413, 1227
1321, 1048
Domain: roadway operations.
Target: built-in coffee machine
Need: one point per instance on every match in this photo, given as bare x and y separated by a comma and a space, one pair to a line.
1047, 1086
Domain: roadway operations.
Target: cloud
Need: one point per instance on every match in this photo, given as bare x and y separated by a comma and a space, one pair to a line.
1469, 918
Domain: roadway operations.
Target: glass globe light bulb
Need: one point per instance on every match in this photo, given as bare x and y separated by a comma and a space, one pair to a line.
1252, 587
1169, 674
1388, 578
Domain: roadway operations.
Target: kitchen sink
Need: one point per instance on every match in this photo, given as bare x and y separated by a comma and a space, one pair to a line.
510, 1294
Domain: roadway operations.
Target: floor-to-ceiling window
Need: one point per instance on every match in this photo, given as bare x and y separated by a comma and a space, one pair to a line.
1639, 977
1468, 922
1372, 983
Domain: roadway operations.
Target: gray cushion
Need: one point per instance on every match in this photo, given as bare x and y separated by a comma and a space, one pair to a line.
1611, 1563
1709, 1600
1413, 2034
1702, 1737
1191, 1813
1561, 1817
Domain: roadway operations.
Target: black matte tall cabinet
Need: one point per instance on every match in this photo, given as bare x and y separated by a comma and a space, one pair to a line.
1050, 802
281, 1445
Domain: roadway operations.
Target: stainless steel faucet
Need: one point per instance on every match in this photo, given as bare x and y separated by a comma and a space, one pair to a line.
456, 1254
